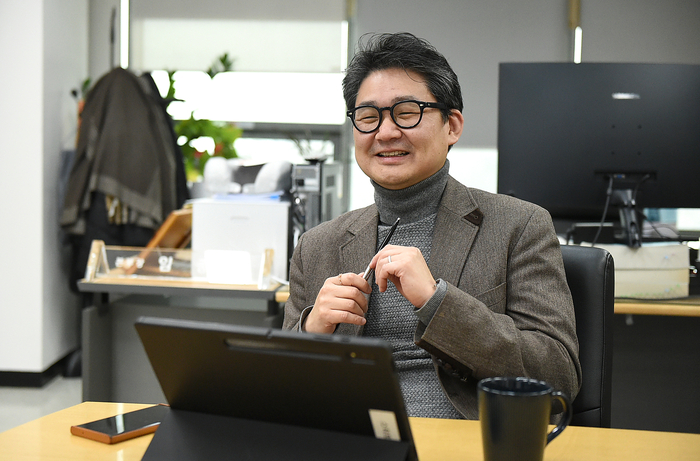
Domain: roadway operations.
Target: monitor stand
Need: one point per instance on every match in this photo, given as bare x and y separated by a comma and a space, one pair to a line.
630, 231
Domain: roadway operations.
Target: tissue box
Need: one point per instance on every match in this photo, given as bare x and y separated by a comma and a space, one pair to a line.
653, 271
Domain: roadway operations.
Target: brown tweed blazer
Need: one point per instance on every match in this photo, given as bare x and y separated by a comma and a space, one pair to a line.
508, 310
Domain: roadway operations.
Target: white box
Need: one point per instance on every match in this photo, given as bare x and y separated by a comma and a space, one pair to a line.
653, 271
240, 223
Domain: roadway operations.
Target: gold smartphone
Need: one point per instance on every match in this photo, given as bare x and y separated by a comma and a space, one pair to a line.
124, 426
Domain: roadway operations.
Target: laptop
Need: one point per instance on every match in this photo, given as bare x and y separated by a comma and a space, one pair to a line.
276, 391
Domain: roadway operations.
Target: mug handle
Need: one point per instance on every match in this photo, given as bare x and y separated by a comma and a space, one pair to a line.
567, 415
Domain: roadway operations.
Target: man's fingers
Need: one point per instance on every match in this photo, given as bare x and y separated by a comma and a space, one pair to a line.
348, 317
352, 280
354, 303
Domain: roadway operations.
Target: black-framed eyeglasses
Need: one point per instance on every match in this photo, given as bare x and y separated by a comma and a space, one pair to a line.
405, 114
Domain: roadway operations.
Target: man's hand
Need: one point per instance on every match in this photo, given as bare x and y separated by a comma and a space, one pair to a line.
341, 300
407, 270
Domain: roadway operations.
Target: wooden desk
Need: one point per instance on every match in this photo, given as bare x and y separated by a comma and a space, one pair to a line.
436, 440
282, 295
685, 307
165, 287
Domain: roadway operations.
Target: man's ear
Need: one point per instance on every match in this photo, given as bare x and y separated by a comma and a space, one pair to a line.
456, 125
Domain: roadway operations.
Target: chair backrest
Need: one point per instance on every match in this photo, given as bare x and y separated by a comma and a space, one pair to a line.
590, 273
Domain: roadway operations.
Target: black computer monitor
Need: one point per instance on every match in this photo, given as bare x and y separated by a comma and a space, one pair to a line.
571, 134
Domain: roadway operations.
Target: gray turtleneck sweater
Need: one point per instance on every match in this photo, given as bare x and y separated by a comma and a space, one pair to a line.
390, 315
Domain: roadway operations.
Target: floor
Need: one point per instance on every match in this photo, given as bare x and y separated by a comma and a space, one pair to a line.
19, 405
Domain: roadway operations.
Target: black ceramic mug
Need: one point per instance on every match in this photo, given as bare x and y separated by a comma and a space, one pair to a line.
514, 415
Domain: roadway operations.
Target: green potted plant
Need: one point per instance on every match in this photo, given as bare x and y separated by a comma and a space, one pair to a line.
223, 134
189, 131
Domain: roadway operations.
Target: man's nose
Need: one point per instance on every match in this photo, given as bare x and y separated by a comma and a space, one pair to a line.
387, 127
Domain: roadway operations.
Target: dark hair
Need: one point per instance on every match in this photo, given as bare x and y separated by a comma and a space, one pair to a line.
408, 52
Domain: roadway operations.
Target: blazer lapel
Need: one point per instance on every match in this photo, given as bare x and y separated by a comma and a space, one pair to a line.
456, 227
361, 244
358, 251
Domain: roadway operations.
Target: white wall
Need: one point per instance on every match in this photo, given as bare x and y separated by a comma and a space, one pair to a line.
65, 67
641, 31
101, 57
22, 153
43, 51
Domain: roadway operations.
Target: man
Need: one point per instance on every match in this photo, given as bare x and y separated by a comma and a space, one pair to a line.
477, 281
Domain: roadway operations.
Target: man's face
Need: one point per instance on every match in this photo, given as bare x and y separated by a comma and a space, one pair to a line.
393, 157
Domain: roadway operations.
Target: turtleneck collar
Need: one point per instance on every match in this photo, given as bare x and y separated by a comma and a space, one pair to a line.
412, 203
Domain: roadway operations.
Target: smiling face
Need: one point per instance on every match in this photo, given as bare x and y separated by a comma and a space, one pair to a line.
396, 158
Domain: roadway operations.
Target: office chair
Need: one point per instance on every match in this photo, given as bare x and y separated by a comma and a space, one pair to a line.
590, 274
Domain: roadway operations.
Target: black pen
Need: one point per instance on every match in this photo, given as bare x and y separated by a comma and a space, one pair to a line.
368, 271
